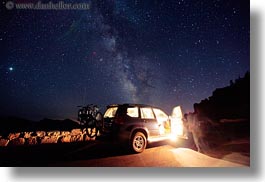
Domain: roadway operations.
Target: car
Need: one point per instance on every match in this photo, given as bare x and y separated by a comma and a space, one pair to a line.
139, 124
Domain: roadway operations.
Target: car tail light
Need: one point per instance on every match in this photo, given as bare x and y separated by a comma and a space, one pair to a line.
119, 120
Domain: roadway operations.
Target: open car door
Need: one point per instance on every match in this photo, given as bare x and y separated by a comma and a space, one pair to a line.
177, 129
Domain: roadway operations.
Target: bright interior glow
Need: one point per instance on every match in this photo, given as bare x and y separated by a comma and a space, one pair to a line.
161, 130
160, 115
179, 129
147, 113
162, 118
176, 122
133, 112
176, 113
110, 112
173, 137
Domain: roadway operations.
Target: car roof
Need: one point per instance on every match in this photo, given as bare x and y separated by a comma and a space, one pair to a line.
131, 105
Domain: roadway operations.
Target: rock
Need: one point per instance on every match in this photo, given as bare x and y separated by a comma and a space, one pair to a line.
53, 133
76, 132
85, 130
34, 134
27, 134
42, 137
3, 142
16, 142
40, 133
91, 132
86, 138
65, 133
76, 138
12, 136
64, 139
93, 138
48, 139
32, 141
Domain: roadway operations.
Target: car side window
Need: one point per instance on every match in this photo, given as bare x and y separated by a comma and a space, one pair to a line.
160, 115
147, 113
133, 112
111, 112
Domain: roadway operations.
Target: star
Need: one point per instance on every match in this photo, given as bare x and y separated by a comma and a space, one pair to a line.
10, 69
121, 51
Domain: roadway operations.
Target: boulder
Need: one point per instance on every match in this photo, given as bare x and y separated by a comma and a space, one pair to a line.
12, 136
53, 133
42, 137
76, 138
32, 141
3, 142
49, 139
16, 142
93, 138
65, 133
27, 134
91, 132
86, 138
85, 130
64, 139
40, 133
76, 132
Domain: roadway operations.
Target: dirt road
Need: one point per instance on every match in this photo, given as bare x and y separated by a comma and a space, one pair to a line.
162, 156
105, 154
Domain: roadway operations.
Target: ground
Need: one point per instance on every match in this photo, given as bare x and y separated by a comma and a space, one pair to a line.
102, 153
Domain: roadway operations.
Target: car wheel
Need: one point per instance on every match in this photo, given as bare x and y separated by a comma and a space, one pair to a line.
138, 142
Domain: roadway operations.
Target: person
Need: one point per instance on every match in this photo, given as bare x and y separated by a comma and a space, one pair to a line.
185, 125
194, 126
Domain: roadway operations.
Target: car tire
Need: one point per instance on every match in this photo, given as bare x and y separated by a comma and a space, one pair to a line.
138, 142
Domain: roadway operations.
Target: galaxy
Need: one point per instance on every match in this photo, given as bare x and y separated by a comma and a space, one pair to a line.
162, 53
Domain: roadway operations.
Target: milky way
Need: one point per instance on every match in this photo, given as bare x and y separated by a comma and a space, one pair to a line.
131, 76
164, 53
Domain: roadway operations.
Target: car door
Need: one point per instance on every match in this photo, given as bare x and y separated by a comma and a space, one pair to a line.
163, 121
149, 120
176, 122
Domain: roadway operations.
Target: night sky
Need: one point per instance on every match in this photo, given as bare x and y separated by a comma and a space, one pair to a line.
163, 53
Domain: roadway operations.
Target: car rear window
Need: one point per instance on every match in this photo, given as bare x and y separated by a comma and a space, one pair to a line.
133, 112
110, 112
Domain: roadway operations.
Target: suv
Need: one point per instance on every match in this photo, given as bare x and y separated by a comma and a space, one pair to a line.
138, 124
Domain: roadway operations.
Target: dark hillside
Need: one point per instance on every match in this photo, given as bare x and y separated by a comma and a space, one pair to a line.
231, 102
